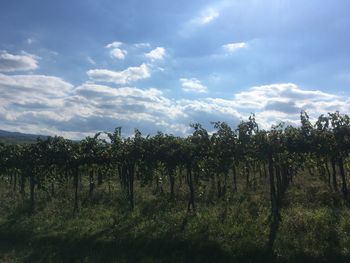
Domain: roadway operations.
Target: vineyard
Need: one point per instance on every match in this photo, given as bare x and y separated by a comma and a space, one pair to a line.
239, 194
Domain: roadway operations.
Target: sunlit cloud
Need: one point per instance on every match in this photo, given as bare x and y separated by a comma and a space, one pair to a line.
156, 54
283, 102
12, 63
193, 85
118, 53
206, 17
115, 51
114, 44
49, 105
233, 47
27, 86
129, 75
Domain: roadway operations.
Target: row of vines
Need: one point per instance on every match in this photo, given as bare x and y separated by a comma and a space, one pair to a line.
218, 159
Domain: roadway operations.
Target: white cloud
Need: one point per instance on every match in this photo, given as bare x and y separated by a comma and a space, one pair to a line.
105, 92
30, 101
49, 105
33, 85
283, 102
12, 63
156, 54
206, 17
193, 85
261, 96
126, 76
118, 53
150, 110
203, 18
114, 44
233, 47
115, 51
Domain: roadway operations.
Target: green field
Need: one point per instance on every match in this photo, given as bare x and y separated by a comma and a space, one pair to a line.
315, 226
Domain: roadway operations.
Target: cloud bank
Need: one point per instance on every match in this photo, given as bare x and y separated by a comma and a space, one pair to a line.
13, 63
43, 104
50, 105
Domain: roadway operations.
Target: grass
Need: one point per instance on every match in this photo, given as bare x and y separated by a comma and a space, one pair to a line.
314, 227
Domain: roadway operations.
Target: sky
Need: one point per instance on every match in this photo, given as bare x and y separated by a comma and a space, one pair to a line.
74, 68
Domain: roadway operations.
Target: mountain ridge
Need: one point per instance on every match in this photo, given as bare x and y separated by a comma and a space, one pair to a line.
9, 137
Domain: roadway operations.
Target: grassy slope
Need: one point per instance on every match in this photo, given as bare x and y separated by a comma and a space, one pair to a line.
18, 138
314, 228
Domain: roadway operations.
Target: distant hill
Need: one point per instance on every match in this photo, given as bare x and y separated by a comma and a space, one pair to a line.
17, 137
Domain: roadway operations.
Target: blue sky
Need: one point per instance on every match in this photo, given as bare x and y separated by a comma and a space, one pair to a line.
73, 68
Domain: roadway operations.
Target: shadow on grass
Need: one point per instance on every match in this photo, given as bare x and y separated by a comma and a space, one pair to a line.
130, 249
119, 244
121, 248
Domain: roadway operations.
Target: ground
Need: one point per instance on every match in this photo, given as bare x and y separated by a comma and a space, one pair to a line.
315, 226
